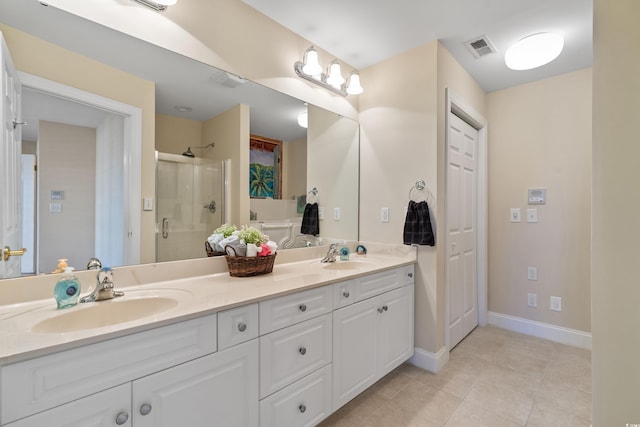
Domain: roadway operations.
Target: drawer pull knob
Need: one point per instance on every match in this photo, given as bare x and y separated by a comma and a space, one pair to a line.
122, 418
242, 326
345, 294
302, 351
410, 274
303, 307
145, 409
380, 310
302, 409
385, 308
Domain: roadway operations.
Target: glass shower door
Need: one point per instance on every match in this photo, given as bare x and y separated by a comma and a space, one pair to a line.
190, 205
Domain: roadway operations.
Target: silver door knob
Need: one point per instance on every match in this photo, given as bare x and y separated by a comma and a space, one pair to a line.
122, 418
145, 409
303, 307
242, 326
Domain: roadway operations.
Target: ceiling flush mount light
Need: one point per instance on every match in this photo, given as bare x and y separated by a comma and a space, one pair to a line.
534, 51
310, 69
159, 5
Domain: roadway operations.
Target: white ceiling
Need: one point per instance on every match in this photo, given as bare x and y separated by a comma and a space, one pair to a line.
360, 32
365, 32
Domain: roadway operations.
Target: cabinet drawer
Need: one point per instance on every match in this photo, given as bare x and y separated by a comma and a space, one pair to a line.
280, 312
375, 284
344, 293
304, 403
100, 409
237, 325
289, 354
44, 382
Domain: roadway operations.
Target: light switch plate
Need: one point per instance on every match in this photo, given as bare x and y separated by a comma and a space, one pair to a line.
532, 273
532, 215
147, 204
320, 212
336, 214
555, 303
384, 214
515, 215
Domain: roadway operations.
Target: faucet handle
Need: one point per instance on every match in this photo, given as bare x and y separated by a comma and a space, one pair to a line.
105, 278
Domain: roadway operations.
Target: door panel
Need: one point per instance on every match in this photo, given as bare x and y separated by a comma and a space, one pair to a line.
10, 164
461, 224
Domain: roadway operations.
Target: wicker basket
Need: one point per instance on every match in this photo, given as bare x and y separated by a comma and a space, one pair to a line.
240, 266
210, 251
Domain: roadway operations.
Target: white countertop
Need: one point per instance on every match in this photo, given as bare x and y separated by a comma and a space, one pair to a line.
200, 287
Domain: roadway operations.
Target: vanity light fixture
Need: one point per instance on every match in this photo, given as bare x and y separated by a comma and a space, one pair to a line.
534, 51
158, 5
310, 69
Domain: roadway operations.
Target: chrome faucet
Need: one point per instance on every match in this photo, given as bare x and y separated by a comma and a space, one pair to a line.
104, 287
332, 253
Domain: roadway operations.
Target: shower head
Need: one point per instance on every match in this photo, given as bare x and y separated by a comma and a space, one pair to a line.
189, 153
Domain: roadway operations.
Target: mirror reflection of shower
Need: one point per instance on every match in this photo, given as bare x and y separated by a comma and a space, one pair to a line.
189, 153
190, 194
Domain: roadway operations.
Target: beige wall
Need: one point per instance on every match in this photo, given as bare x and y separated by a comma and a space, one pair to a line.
614, 281
175, 134
540, 137
230, 133
400, 144
294, 168
38, 57
67, 162
332, 158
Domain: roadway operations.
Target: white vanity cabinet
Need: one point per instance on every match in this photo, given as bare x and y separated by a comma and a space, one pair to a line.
290, 361
373, 336
167, 376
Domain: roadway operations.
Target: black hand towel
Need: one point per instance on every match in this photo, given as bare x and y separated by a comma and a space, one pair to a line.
417, 225
310, 220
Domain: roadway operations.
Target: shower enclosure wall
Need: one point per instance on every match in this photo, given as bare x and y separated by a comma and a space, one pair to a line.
190, 195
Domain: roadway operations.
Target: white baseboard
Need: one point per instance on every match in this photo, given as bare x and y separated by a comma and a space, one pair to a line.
548, 331
432, 362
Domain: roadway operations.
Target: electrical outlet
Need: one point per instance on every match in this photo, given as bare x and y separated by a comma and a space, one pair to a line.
384, 214
320, 212
555, 304
532, 300
336, 214
532, 273
515, 215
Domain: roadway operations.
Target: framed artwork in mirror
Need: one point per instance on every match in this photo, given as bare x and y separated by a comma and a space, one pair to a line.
265, 167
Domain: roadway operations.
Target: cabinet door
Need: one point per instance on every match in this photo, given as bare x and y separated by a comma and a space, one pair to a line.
220, 389
354, 350
108, 408
395, 329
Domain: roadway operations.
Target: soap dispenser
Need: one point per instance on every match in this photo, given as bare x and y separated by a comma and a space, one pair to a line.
67, 289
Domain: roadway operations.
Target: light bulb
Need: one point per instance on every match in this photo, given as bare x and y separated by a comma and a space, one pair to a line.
311, 65
353, 87
334, 77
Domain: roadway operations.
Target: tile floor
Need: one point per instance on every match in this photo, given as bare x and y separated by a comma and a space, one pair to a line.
494, 378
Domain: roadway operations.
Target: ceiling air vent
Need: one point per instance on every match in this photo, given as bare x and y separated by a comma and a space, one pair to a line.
227, 79
480, 46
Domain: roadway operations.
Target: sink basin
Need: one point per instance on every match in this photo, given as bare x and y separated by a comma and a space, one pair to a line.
346, 265
105, 313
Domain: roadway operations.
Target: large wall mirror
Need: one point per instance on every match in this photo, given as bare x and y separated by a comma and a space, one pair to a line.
199, 110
